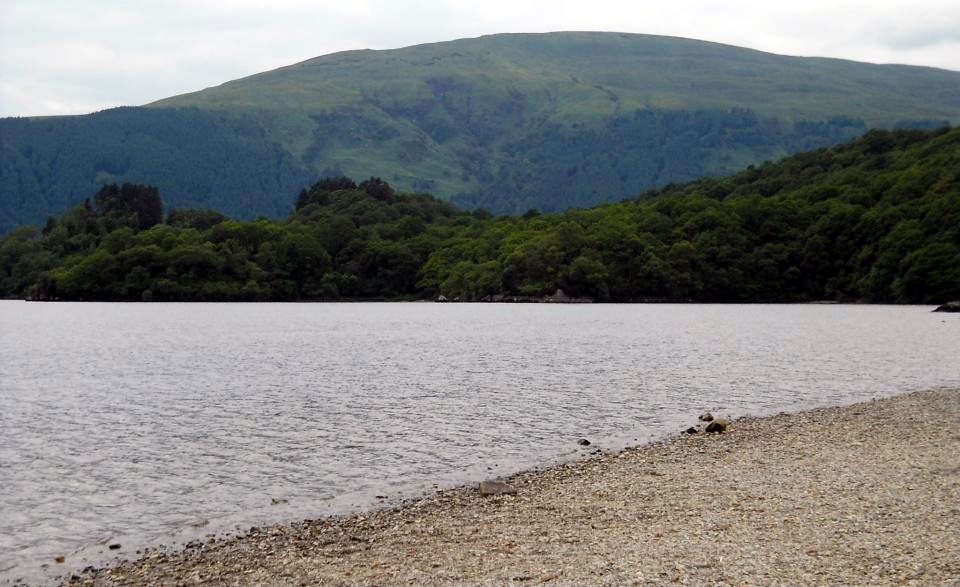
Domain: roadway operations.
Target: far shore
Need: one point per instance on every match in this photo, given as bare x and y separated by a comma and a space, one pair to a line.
507, 301
865, 494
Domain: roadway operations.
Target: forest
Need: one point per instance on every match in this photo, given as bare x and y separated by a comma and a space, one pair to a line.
229, 162
873, 220
197, 158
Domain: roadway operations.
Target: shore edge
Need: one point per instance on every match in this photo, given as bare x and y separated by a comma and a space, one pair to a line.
857, 494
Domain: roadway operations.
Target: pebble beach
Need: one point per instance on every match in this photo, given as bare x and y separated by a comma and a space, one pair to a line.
867, 494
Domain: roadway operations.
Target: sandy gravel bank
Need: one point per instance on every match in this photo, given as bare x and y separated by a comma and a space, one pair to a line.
868, 494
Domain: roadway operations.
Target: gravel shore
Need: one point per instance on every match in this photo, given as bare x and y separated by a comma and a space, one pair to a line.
865, 494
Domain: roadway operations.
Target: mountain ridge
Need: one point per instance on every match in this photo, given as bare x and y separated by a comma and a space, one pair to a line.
505, 122
592, 44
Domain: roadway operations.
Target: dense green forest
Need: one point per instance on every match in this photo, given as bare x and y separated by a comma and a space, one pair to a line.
502, 122
197, 158
877, 220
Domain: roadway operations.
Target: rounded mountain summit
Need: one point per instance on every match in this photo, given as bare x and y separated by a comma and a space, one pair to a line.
506, 122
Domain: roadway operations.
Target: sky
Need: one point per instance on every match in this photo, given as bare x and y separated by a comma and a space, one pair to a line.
74, 57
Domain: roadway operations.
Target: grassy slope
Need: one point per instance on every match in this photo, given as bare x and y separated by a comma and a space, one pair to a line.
423, 116
505, 122
564, 71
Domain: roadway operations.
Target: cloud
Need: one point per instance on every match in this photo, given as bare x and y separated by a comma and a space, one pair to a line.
922, 38
62, 56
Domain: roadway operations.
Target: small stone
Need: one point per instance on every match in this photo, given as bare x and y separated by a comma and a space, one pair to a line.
114, 547
278, 501
707, 417
718, 425
690, 430
59, 558
496, 488
583, 442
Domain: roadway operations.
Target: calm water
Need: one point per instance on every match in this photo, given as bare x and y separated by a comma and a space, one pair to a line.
130, 423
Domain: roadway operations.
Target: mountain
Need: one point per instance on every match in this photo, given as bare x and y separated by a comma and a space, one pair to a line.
506, 122
875, 220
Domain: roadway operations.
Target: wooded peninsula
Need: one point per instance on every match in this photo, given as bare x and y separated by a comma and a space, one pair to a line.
874, 220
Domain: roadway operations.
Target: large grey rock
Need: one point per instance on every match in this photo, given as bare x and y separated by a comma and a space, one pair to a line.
496, 488
949, 307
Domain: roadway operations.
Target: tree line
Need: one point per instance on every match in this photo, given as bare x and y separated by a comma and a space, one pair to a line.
876, 220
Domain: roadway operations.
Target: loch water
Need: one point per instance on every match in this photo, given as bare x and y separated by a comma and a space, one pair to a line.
142, 424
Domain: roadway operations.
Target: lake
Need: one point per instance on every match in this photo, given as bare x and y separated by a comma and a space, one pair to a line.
142, 424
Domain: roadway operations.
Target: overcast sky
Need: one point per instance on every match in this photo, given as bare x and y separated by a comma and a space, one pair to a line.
72, 56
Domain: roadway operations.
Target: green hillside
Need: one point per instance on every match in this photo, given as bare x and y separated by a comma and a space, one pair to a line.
582, 76
506, 122
876, 220
198, 158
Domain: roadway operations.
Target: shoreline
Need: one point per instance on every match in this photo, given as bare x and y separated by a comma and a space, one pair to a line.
860, 494
933, 305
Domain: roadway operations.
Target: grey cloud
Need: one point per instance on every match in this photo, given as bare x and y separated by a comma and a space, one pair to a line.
923, 38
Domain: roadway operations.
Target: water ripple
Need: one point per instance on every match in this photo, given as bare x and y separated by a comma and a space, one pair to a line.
133, 423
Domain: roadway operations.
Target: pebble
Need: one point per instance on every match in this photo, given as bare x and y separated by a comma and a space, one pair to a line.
496, 488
